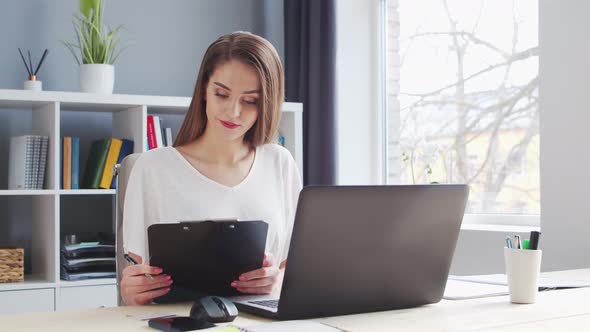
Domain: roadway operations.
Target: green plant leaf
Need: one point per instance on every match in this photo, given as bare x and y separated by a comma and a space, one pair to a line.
95, 42
71, 48
87, 6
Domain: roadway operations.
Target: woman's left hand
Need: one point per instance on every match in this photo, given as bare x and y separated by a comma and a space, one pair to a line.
265, 280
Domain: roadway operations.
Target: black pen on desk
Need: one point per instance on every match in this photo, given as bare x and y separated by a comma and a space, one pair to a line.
534, 240
132, 261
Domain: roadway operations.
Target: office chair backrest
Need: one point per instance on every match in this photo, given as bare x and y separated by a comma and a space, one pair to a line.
123, 172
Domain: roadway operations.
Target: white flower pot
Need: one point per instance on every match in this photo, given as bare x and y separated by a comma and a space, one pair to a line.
97, 78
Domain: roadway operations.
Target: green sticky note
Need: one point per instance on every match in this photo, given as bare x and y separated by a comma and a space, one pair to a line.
525, 244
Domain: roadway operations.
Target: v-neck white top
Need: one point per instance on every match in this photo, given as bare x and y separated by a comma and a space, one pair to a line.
164, 187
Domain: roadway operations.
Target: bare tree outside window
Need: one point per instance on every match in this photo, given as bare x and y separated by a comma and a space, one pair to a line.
463, 99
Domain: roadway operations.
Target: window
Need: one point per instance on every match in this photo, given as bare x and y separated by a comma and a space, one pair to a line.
462, 95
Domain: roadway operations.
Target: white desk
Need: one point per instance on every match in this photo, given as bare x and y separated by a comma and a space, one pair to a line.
560, 310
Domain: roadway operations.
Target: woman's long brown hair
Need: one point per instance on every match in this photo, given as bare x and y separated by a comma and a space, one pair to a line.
253, 51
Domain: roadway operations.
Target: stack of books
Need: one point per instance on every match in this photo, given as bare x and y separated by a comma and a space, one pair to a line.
103, 156
87, 260
27, 162
157, 135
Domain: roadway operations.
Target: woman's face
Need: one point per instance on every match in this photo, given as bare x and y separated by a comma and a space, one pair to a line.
232, 100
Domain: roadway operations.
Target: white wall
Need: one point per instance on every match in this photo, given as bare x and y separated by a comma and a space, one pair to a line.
565, 136
565, 180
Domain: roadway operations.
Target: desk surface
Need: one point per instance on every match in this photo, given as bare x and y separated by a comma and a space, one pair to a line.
566, 310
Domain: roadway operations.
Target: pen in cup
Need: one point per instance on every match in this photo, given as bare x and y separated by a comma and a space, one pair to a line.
508, 242
132, 261
534, 240
517, 241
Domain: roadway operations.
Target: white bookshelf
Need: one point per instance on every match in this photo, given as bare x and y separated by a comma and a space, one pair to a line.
48, 113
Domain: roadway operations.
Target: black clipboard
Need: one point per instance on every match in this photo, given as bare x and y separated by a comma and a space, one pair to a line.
204, 257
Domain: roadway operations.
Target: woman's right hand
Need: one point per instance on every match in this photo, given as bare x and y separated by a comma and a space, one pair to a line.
138, 289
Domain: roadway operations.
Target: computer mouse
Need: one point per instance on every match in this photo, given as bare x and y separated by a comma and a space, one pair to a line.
214, 309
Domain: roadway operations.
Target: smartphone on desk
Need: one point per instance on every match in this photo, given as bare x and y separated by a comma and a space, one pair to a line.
178, 324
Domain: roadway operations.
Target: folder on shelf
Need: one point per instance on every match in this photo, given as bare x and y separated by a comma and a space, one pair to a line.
106, 263
77, 275
95, 164
70, 251
112, 156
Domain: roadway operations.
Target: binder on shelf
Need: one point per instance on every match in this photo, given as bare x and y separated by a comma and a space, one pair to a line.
95, 164
126, 149
112, 156
75, 162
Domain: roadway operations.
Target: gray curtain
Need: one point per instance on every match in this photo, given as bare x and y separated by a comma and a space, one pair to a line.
310, 78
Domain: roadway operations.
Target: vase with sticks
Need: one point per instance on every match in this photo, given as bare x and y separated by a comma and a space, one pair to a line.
33, 83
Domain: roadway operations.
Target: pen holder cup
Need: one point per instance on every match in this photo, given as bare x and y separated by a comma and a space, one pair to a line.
522, 271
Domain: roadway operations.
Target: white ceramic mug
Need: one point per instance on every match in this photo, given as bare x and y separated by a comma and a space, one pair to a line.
523, 267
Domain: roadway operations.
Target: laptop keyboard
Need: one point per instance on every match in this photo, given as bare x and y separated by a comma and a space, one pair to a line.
274, 304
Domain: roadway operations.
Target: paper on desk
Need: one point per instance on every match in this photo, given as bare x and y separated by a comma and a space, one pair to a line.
544, 282
286, 326
463, 290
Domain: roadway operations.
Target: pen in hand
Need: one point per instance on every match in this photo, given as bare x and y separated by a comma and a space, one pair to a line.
132, 261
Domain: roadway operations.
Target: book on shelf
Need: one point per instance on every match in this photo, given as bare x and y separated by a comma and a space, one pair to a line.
112, 156
27, 162
126, 149
36, 160
66, 162
75, 163
151, 133
169, 141
43, 162
95, 164
158, 131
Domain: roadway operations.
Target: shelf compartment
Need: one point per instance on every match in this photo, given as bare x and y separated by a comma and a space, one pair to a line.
29, 222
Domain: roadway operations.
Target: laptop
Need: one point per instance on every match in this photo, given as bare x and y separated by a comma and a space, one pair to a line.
357, 249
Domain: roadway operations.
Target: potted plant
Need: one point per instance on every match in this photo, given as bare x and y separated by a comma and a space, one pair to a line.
97, 48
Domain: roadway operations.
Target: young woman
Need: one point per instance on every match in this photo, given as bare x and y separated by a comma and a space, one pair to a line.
223, 165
